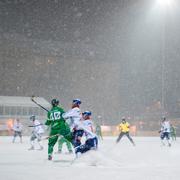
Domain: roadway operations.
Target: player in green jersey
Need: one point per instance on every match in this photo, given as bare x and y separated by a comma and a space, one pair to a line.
68, 144
173, 132
98, 131
57, 125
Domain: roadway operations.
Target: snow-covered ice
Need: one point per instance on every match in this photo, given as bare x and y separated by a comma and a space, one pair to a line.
148, 160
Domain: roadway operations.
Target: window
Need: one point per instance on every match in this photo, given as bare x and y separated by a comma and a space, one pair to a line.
7, 110
19, 111
1, 110
30, 110
25, 111
13, 110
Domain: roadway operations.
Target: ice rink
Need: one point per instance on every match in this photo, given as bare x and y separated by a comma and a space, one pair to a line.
148, 160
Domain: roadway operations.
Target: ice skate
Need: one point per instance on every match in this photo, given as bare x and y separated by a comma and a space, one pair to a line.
49, 157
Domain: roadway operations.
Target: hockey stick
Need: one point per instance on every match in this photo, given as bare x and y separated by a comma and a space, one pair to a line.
36, 125
48, 137
32, 99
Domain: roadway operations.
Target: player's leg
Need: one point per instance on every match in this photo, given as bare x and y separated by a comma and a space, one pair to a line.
119, 137
69, 146
82, 148
65, 131
39, 136
60, 144
14, 137
20, 136
51, 143
90, 144
77, 135
175, 136
167, 135
94, 143
130, 138
32, 139
162, 136
101, 135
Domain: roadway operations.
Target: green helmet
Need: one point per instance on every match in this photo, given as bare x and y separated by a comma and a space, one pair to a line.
55, 102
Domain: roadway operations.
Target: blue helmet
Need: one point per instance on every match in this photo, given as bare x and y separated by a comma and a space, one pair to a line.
77, 101
86, 113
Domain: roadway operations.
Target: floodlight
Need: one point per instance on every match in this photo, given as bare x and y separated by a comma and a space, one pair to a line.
165, 2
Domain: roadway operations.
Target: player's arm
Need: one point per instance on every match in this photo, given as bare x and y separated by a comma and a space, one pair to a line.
68, 114
48, 120
161, 130
119, 127
91, 127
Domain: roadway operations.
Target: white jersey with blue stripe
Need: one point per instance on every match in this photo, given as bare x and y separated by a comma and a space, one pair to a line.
38, 128
87, 127
74, 116
17, 127
165, 127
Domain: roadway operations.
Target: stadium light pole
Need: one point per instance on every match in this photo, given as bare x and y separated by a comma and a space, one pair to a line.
164, 5
163, 60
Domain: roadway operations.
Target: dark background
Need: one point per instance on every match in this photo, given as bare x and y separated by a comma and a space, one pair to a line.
108, 53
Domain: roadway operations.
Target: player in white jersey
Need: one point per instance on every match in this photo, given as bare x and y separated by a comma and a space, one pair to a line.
165, 131
36, 133
87, 124
73, 117
91, 138
17, 128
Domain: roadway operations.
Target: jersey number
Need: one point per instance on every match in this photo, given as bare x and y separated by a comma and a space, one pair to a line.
55, 115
